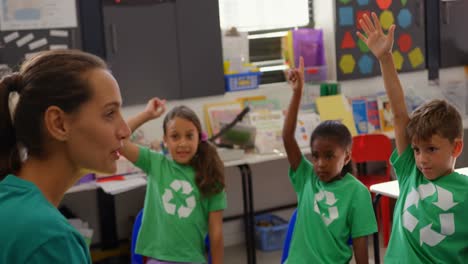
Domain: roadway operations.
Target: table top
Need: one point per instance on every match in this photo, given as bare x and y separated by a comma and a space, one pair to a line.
391, 188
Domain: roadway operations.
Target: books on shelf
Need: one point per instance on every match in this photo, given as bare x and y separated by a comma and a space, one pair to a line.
366, 114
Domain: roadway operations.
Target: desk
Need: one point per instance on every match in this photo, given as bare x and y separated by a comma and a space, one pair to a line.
247, 195
391, 189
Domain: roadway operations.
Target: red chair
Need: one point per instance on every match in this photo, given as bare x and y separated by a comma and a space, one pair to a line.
371, 150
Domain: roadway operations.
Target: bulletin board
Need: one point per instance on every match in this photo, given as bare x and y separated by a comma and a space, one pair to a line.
15, 46
355, 60
27, 27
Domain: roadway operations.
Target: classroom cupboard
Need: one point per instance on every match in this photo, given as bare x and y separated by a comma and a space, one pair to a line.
165, 48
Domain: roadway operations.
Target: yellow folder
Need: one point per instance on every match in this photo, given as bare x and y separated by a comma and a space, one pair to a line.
336, 107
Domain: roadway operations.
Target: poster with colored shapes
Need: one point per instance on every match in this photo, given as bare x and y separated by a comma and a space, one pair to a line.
355, 60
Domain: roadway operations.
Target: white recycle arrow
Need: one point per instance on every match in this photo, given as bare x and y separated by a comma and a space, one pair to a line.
447, 224
167, 196
330, 198
429, 236
183, 211
412, 198
409, 221
333, 214
426, 190
445, 201
447, 221
190, 202
319, 196
186, 187
176, 185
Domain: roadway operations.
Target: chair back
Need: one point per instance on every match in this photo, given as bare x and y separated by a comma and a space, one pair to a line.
289, 234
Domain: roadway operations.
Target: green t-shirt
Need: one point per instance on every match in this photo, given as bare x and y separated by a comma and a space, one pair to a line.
328, 215
175, 216
430, 218
32, 230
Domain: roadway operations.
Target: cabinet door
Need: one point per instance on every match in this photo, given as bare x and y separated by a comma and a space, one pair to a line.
141, 48
453, 39
200, 51
354, 60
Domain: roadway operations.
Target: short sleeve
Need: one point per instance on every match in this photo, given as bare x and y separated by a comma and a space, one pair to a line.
147, 159
362, 216
299, 176
217, 202
61, 250
403, 164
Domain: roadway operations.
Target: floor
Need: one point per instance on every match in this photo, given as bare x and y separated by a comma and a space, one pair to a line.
237, 255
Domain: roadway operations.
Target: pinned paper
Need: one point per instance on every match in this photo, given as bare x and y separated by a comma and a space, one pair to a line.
24, 40
38, 43
58, 33
55, 47
10, 37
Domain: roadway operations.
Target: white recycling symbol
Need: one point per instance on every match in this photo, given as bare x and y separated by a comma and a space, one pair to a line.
444, 201
183, 211
330, 201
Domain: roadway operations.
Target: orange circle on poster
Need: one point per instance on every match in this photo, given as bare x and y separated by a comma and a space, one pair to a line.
384, 4
405, 42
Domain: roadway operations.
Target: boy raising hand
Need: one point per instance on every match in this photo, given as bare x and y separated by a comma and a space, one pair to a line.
430, 214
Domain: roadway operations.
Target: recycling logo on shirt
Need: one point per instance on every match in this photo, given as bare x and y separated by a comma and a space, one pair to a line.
445, 201
330, 201
182, 211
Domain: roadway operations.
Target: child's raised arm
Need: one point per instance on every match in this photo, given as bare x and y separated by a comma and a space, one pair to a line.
381, 45
154, 109
296, 78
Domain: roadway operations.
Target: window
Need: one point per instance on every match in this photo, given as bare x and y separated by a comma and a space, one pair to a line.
266, 22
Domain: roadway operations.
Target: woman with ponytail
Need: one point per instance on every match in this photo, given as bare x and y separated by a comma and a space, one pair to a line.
59, 116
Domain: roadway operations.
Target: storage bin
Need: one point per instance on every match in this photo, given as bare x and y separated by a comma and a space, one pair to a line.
242, 81
271, 236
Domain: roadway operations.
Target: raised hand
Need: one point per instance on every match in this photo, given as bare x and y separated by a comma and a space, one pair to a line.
296, 77
155, 107
379, 43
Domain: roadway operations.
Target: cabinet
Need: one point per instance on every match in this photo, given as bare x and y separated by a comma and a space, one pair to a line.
348, 57
170, 49
453, 40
